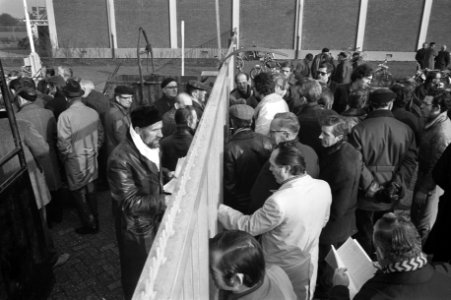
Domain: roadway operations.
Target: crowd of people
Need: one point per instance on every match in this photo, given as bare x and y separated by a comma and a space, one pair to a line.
316, 155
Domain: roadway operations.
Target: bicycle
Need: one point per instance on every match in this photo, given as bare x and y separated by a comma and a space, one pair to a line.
382, 76
268, 65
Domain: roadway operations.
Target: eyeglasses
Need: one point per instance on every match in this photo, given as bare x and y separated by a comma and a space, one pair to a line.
276, 131
173, 87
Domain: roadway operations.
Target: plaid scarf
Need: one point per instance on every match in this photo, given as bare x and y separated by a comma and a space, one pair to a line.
407, 265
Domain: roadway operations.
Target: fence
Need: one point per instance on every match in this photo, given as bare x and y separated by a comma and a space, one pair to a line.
177, 265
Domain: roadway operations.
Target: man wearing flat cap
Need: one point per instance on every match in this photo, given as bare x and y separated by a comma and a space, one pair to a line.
389, 154
197, 90
80, 135
134, 176
169, 88
117, 119
244, 156
44, 122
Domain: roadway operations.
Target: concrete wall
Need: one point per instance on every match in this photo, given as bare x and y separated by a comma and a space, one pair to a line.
330, 23
153, 16
81, 23
267, 23
392, 26
439, 29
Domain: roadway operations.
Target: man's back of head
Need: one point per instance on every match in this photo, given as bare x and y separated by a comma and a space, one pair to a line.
264, 84
183, 100
311, 90
236, 260
396, 239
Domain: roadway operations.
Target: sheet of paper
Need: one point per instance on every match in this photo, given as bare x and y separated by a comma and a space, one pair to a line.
170, 186
179, 167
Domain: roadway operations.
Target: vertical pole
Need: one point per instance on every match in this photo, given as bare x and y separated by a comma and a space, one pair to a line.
298, 31
361, 25
112, 25
182, 32
218, 29
173, 23
28, 24
52, 24
236, 21
424, 23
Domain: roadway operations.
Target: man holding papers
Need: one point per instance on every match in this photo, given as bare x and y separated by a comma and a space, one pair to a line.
404, 272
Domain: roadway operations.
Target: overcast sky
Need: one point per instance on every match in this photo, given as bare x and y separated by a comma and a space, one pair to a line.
15, 7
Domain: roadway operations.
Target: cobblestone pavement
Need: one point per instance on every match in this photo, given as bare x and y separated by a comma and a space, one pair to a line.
93, 270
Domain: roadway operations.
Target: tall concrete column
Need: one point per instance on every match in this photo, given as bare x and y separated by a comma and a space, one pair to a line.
427, 8
361, 25
298, 27
51, 24
236, 20
173, 23
112, 23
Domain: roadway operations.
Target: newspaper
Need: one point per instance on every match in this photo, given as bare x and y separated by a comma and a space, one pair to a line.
359, 266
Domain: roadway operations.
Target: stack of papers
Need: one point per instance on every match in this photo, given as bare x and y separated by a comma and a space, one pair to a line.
359, 266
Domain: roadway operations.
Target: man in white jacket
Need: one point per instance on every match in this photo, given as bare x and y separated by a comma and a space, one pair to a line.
290, 221
270, 103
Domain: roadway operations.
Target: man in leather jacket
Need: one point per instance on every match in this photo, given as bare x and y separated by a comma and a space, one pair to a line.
135, 183
244, 156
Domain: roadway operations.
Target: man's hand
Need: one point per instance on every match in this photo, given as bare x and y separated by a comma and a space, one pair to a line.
340, 277
372, 189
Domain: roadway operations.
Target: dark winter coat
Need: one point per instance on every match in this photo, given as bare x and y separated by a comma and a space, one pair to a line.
389, 154
265, 184
138, 205
244, 156
175, 146
341, 167
430, 282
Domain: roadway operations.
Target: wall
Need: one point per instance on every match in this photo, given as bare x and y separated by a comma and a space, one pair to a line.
330, 23
153, 16
393, 25
81, 23
267, 23
439, 29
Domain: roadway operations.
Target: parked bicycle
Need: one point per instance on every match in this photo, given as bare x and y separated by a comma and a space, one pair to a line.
382, 76
267, 65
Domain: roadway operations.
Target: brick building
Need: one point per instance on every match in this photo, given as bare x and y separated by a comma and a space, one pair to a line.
376, 26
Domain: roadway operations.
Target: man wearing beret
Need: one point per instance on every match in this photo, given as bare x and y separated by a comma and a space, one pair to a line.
197, 90
135, 184
244, 156
117, 120
389, 154
80, 135
169, 88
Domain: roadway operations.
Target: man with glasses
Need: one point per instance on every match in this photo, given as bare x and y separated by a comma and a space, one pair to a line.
324, 76
117, 120
169, 88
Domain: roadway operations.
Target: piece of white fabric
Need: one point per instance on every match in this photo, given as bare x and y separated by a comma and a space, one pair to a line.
151, 154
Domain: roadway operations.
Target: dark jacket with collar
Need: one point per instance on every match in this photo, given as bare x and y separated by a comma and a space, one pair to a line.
138, 205
244, 156
341, 167
343, 72
341, 97
175, 146
117, 122
265, 183
164, 104
310, 121
389, 154
236, 94
407, 117
432, 282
